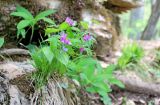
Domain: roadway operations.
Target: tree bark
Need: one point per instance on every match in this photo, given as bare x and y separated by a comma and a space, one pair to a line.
150, 29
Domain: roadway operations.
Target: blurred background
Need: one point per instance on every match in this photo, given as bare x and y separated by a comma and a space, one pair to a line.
143, 22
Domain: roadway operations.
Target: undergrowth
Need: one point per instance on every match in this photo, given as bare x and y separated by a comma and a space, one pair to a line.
131, 59
29, 20
131, 53
67, 52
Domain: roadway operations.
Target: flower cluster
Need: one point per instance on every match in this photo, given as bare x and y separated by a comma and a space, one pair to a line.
87, 37
64, 39
81, 49
69, 21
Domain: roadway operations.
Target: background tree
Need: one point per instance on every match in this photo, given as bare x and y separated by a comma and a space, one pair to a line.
150, 29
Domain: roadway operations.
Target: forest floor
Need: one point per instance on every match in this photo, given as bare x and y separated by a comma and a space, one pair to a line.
125, 97
121, 97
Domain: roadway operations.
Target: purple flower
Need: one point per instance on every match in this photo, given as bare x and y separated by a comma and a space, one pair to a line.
87, 37
67, 42
69, 21
81, 49
65, 49
64, 39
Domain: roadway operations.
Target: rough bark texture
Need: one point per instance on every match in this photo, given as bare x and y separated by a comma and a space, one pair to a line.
150, 29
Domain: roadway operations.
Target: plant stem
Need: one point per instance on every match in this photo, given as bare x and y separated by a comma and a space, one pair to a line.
32, 33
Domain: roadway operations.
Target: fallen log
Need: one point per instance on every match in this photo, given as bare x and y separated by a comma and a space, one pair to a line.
139, 86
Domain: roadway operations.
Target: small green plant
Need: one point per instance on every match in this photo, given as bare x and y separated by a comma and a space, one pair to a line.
1, 42
29, 20
93, 78
68, 52
63, 45
131, 53
157, 56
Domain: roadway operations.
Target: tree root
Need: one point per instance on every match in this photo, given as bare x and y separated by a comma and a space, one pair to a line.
13, 51
53, 94
137, 85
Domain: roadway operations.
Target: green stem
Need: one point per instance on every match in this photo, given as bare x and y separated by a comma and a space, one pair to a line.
32, 33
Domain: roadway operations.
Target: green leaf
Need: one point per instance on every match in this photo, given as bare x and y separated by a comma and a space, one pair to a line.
62, 57
75, 29
22, 24
102, 86
48, 54
23, 33
32, 48
48, 20
22, 9
53, 42
84, 79
21, 14
84, 24
117, 82
105, 98
1, 42
91, 90
51, 30
63, 26
109, 69
44, 14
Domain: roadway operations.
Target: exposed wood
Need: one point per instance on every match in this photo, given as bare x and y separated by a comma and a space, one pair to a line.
137, 85
14, 51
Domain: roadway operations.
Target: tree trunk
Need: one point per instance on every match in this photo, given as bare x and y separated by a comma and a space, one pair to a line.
150, 29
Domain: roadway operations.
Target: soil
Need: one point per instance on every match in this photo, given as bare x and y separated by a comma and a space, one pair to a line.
24, 84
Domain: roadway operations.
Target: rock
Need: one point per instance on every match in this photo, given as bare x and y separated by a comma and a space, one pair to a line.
12, 70
157, 101
130, 102
17, 97
4, 96
10, 94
